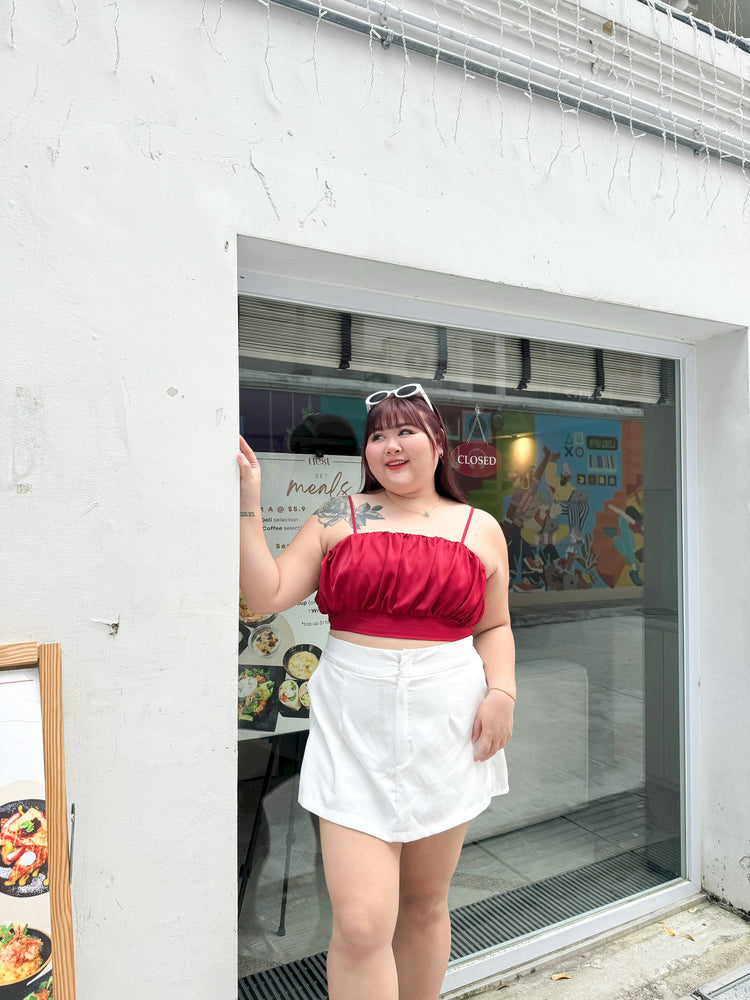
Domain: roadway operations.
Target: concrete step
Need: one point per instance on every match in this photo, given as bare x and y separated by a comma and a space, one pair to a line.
644, 964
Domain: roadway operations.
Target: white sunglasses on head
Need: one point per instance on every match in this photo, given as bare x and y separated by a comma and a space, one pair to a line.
403, 392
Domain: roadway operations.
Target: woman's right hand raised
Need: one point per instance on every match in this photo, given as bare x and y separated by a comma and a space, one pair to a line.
249, 476
267, 584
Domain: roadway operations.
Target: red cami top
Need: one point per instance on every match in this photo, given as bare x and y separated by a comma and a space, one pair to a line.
403, 586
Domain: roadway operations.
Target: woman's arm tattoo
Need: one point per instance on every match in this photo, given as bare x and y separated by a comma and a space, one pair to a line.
333, 511
365, 513
337, 510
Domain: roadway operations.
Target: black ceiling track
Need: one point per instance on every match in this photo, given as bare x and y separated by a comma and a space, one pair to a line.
525, 365
346, 341
442, 363
599, 373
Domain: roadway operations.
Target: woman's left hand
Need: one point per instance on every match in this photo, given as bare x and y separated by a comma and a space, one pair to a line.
493, 725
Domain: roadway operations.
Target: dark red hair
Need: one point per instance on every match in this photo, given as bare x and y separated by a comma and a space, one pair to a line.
393, 412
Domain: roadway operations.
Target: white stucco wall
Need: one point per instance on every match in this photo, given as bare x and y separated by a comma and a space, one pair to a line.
133, 149
724, 497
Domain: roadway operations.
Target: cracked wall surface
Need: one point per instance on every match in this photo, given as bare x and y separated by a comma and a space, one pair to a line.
136, 142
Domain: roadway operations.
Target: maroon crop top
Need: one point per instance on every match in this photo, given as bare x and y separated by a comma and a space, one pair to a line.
404, 586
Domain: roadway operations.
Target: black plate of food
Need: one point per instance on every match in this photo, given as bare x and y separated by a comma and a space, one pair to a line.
294, 700
21, 979
264, 642
23, 848
244, 639
41, 989
253, 618
300, 662
257, 702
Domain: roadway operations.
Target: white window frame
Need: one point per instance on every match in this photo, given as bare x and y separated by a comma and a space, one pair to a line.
293, 274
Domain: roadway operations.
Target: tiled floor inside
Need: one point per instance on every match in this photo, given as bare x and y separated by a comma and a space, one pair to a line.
608, 817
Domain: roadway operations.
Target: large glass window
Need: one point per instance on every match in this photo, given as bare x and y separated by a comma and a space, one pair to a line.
575, 451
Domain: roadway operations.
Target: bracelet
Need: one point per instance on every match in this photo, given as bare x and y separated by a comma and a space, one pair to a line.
504, 692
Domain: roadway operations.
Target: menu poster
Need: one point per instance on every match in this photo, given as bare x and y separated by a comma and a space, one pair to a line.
35, 925
278, 653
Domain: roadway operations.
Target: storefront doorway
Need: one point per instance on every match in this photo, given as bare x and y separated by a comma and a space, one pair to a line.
576, 451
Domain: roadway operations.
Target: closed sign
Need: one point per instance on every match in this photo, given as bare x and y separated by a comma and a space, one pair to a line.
476, 459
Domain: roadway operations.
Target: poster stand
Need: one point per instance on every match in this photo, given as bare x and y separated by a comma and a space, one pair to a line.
274, 758
36, 670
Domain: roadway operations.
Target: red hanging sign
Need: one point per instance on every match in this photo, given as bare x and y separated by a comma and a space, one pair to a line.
477, 459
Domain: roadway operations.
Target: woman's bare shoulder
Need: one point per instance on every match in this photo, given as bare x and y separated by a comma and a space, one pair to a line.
486, 538
486, 522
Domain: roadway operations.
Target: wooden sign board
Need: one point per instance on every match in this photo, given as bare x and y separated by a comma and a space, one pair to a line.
36, 927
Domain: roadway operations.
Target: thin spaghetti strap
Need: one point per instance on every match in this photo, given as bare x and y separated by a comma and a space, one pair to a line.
468, 522
354, 523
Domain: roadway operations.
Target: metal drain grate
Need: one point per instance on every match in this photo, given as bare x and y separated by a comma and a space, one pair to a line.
304, 979
490, 922
663, 855
530, 908
735, 986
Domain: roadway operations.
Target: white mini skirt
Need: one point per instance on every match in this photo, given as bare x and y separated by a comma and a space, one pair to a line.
389, 751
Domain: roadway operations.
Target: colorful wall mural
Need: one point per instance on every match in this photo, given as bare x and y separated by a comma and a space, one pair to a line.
571, 492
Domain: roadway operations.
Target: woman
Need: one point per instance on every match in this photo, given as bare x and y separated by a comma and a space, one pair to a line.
412, 701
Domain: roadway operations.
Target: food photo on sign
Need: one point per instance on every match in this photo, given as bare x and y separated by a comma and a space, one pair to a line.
25, 955
278, 653
25, 923
23, 847
273, 673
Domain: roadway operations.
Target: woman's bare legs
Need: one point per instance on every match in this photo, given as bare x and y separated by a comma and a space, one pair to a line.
362, 875
391, 929
422, 941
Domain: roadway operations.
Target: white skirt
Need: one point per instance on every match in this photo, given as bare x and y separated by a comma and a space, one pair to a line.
389, 751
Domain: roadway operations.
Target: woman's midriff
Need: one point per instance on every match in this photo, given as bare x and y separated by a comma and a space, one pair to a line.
386, 642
